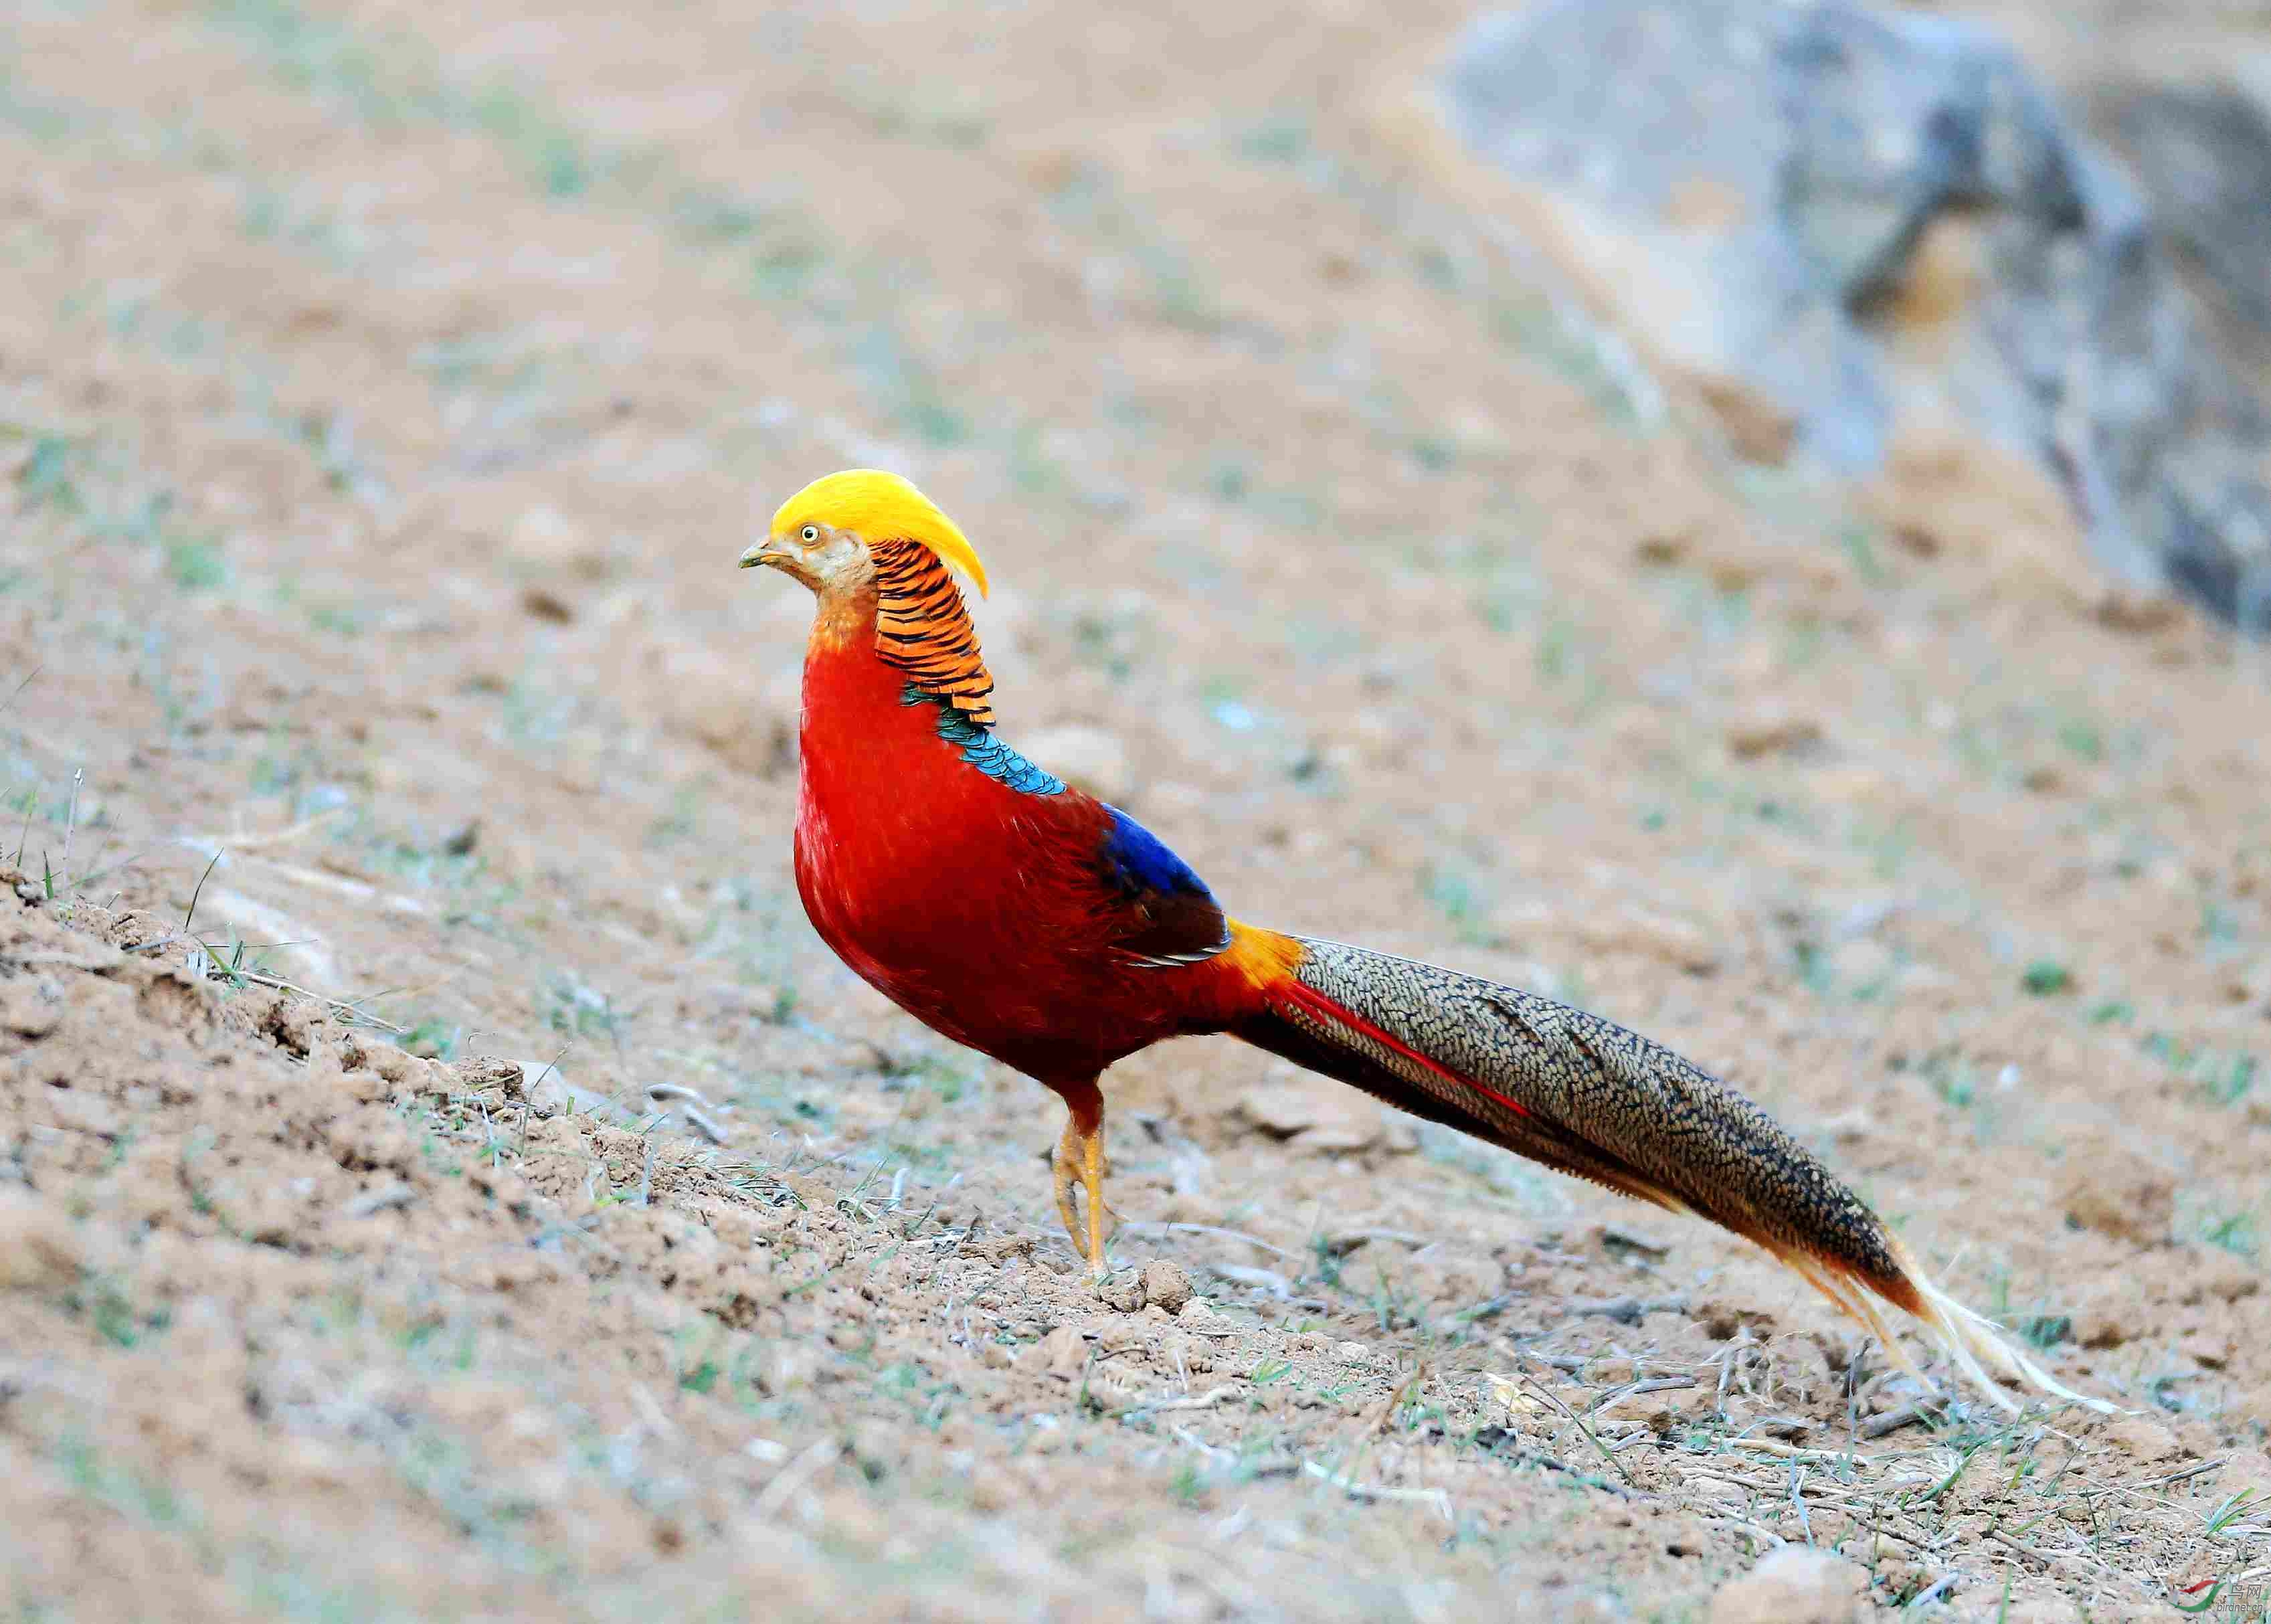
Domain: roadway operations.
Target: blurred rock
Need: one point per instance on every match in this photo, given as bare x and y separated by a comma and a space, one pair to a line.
1165, 1284
1849, 226
543, 1090
2212, 1350
751, 723
545, 604
2143, 1440
40, 1247
2203, 155
544, 538
1795, 1585
1771, 727
2247, 1471
1064, 1353
2113, 1316
2107, 1184
1320, 1116
2215, 1275
1646, 934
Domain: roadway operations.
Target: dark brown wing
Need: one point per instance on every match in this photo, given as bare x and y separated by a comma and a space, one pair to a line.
1162, 912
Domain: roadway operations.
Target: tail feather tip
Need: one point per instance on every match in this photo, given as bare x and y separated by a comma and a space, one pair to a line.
1972, 1342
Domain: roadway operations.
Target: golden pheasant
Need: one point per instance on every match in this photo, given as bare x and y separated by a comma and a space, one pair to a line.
1041, 926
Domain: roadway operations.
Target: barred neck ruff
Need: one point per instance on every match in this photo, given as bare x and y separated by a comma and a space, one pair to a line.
922, 628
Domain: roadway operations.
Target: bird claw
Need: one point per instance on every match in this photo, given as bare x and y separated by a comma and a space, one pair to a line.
1078, 1169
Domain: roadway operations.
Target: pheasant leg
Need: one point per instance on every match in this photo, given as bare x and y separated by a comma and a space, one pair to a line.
1078, 1162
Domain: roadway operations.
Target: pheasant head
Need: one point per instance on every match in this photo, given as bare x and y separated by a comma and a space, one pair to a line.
870, 546
827, 533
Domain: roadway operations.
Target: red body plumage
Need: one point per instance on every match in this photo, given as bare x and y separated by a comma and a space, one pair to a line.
979, 907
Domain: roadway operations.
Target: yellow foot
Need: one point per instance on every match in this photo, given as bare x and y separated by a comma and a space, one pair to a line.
1079, 1162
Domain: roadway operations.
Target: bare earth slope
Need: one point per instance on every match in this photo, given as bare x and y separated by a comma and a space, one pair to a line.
386, 395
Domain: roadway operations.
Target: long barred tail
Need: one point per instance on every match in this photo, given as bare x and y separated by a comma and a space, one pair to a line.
1588, 1097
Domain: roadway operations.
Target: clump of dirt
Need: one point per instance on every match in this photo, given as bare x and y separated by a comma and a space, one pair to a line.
2106, 1184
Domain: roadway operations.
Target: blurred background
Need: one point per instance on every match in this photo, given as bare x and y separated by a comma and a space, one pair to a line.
1749, 517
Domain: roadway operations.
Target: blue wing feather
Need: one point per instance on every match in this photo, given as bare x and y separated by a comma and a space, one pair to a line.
1141, 861
1172, 918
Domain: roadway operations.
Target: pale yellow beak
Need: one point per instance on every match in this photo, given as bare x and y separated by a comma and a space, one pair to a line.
765, 552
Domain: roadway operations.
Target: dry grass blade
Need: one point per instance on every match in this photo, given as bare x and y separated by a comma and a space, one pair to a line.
691, 1107
1605, 1453
1628, 1310
241, 842
189, 918
789, 1482
70, 821
1201, 1401
1908, 1415
1634, 1389
1156, 1228
352, 1010
16, 692
1436, 1497
1382, 1415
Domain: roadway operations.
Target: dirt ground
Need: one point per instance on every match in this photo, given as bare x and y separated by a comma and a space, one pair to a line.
385, 393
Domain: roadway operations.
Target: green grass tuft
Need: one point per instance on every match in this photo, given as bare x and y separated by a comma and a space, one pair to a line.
2046, 977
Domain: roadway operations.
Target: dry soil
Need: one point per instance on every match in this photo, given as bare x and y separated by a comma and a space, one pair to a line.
385, 392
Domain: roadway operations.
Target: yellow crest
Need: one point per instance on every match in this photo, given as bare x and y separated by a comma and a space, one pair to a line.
881, 507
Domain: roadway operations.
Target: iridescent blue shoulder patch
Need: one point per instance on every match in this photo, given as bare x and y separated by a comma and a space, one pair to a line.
982, 750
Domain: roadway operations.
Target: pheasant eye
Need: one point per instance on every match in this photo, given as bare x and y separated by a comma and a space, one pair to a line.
810, 532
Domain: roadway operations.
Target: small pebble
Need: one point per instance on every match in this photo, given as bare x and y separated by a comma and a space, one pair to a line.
1166, 1286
